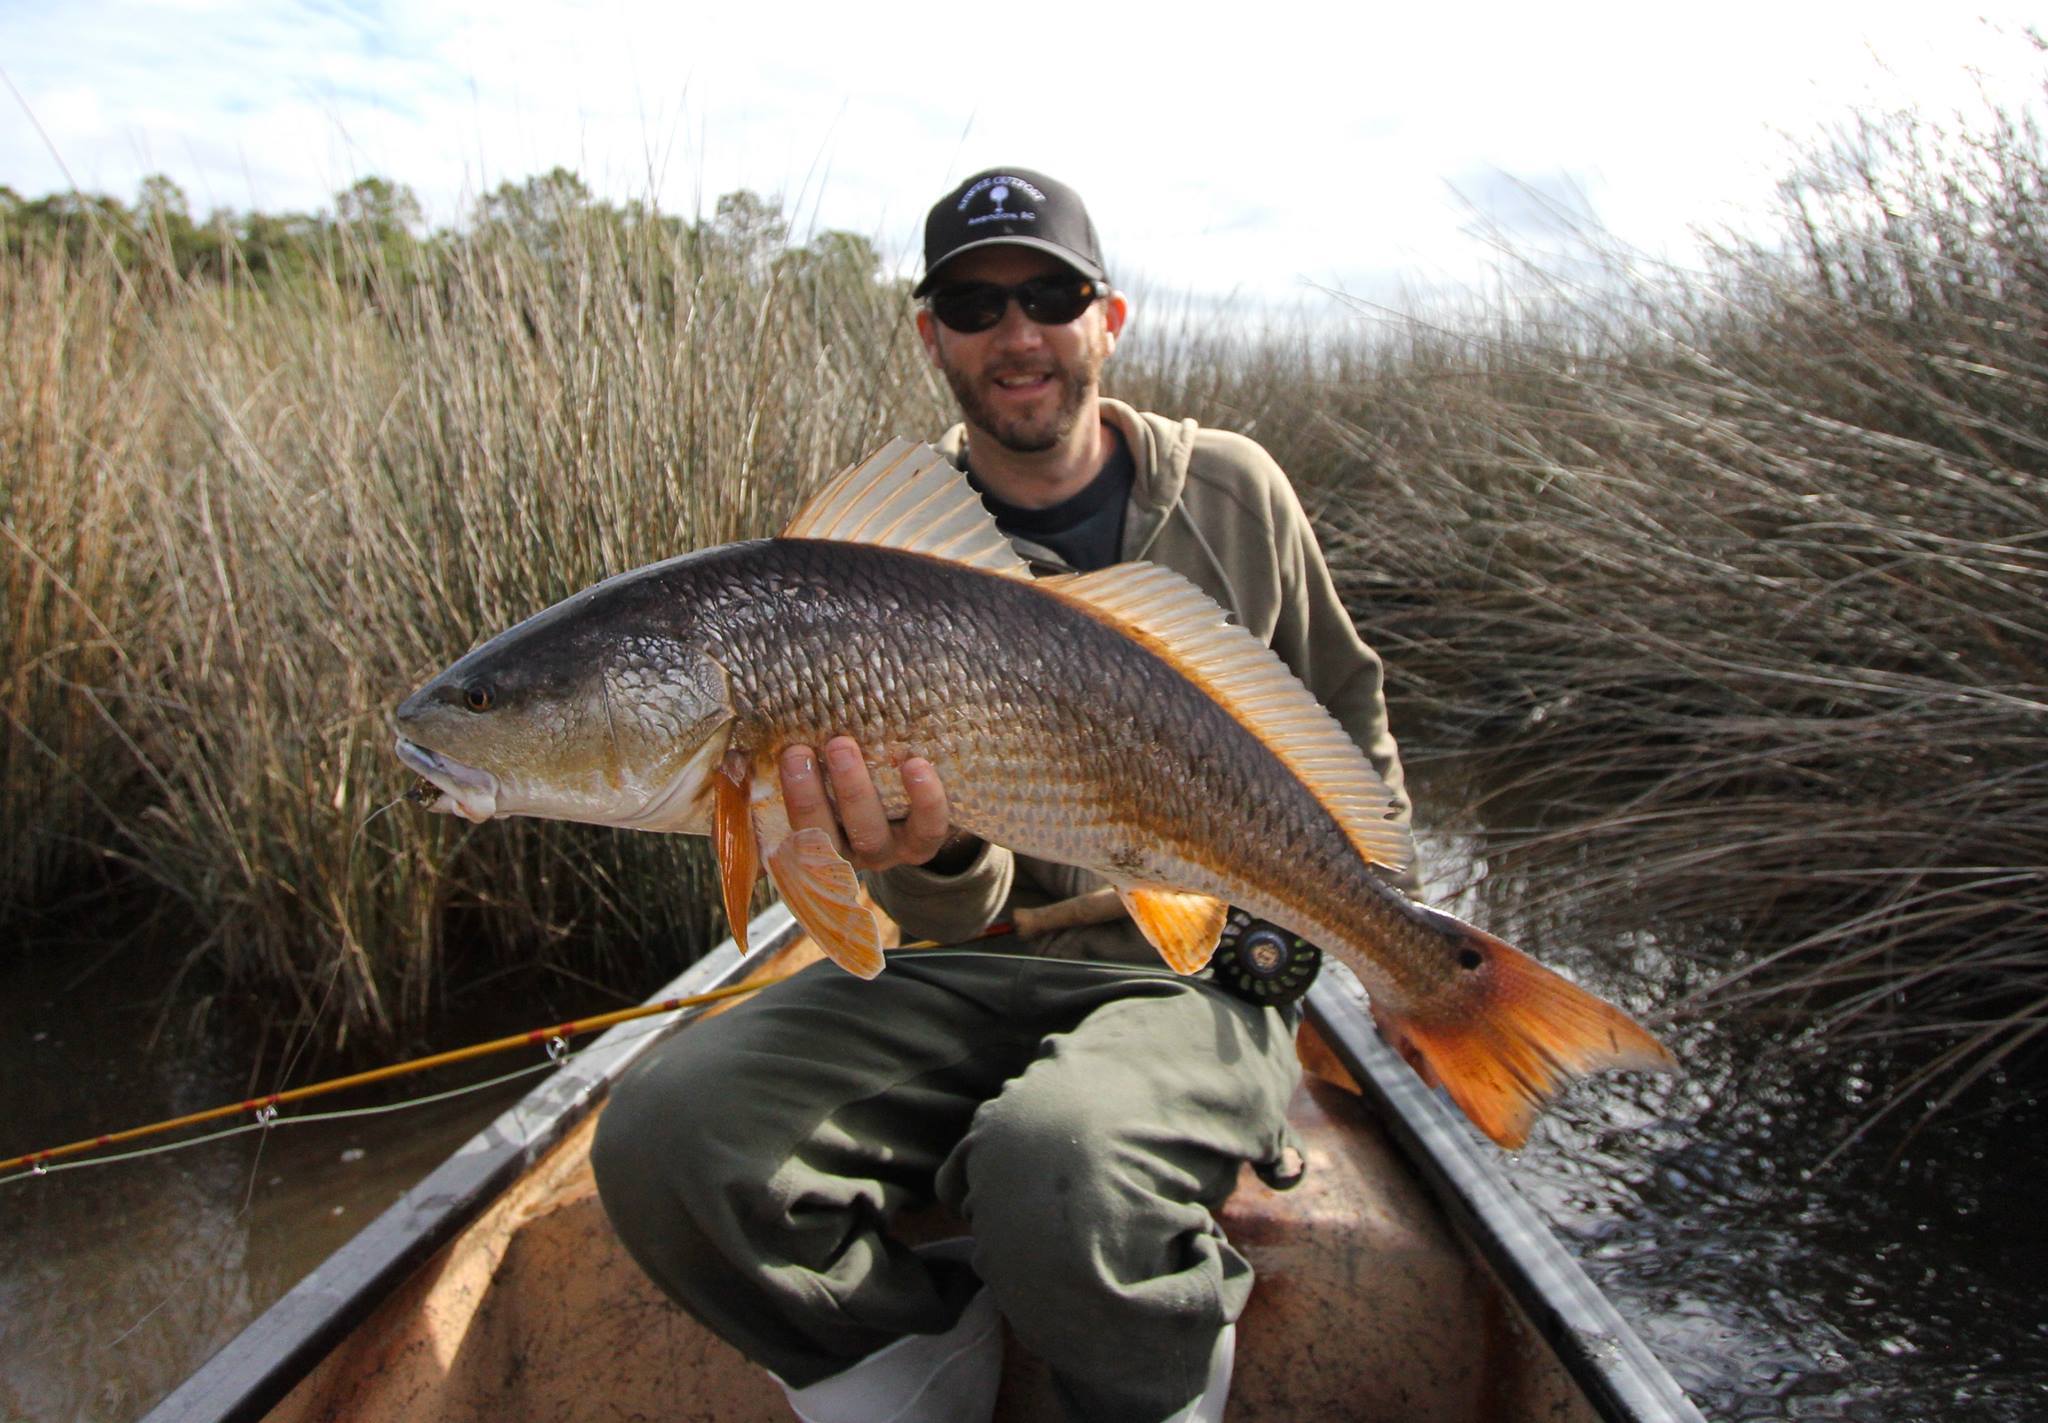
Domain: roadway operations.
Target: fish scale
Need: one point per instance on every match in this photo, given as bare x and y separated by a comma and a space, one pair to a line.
1049, 735
1111, 721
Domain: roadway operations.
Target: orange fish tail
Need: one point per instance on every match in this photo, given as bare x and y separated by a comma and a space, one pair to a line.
1517, 1034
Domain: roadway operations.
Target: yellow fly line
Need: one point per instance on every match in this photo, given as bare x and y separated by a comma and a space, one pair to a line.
535, 1038
1092, 908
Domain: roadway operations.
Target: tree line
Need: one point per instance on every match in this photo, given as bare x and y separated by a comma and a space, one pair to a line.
376, 225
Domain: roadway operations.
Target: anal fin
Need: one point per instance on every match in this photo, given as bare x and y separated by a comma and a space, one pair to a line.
824, 894
733, 839
1184, 927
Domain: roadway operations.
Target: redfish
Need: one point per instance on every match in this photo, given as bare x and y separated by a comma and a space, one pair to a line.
1113, 720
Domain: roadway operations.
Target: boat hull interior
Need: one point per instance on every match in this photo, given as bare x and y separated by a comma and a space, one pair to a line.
1367, 1305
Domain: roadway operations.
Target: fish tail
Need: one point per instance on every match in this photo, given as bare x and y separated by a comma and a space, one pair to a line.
1517, 1035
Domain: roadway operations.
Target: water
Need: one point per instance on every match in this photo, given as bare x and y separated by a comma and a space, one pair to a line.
1872, 1290
117, 1282
1898, 1281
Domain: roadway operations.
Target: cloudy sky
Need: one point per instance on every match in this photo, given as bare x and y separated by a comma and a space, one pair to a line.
1284, 148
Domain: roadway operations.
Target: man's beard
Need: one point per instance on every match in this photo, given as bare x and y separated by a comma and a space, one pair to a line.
1025, 434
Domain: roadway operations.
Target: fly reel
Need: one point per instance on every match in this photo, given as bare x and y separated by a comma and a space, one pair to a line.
1262, 963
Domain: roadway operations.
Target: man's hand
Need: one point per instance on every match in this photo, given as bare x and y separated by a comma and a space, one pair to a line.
866, 836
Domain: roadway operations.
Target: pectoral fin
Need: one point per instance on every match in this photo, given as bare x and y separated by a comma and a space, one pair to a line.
1183, 927
823, 893
734, 840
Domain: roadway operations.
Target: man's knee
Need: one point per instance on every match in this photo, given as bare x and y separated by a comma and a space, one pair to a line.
1048, 1172
1084, 1178
1088, 1227
1050, 1122
664, 1144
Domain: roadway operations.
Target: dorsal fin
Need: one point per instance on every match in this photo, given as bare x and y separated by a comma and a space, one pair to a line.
908, 496
1184, 625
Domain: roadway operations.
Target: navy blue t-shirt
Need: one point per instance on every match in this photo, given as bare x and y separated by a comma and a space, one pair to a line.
1087, 528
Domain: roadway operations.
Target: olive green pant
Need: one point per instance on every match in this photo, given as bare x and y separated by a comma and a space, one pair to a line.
1083, 1118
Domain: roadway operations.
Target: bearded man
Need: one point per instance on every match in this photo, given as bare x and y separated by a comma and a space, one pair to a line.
1084, 1111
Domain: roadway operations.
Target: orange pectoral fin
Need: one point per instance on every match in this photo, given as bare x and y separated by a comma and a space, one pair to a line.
1183, 927
737, 846
823, 893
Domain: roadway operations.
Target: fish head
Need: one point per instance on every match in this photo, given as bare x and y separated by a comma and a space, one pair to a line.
583, 712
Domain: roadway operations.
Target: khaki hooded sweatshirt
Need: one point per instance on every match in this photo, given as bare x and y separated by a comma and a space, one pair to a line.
1214, 507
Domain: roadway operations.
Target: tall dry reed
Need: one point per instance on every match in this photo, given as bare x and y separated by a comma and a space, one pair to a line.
242, 521
75, 402
1727, 587
1730, 591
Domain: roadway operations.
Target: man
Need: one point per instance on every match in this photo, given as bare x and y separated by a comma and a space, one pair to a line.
1082, 1109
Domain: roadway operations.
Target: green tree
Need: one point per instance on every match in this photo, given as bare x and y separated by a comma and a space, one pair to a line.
845, 254
747, 230
376, 222
379, 206
73, 223
538, 213
162, 200
278, 247
165, 219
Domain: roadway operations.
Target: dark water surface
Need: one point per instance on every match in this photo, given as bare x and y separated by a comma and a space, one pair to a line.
1903, 1280
116, 1282
1869, 1291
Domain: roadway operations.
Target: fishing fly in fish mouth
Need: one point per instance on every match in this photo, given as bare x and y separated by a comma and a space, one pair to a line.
1099, 720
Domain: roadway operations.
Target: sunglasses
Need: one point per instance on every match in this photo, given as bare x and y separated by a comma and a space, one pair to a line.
1050, 300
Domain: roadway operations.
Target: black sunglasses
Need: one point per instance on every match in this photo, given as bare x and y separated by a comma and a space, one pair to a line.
1051, 300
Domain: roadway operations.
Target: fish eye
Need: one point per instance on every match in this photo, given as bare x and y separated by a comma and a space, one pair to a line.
477, 696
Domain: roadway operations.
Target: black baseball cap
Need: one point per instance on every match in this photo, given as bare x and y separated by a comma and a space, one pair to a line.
1014, 206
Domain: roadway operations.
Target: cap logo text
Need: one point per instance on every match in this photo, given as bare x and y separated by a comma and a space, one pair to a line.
1000, 189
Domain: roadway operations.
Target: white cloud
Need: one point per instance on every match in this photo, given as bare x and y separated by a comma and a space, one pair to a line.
1292, 145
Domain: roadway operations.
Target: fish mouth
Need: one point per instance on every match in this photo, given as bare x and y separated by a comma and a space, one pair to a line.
466, 791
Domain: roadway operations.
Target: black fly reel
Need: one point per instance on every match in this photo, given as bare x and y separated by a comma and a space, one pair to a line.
1262, 963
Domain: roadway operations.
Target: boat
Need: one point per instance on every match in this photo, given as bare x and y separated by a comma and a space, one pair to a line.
1403, 1278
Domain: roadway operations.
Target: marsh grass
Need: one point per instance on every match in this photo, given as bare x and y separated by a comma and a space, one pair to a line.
1730, 589
242, 520
74, 417
1727, 586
